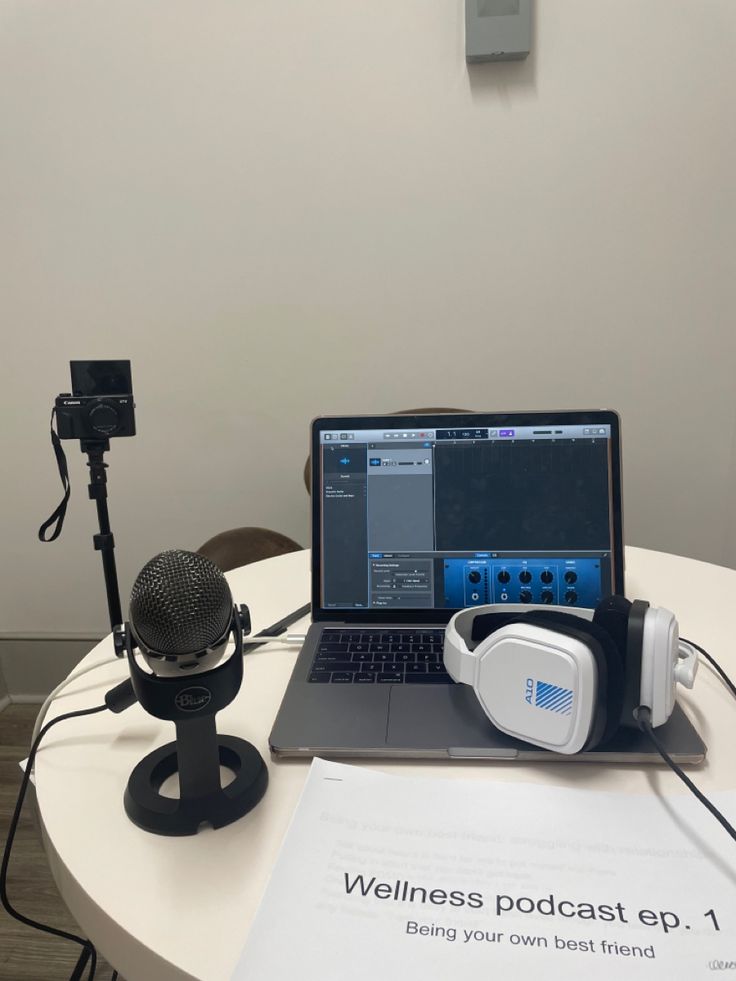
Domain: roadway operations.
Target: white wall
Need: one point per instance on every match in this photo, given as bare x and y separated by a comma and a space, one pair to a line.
278, 209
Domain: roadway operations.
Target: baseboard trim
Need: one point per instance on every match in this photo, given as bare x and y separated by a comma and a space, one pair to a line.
33, 665
88, 636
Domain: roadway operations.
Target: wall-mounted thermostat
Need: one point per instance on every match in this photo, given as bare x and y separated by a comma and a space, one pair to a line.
497, 30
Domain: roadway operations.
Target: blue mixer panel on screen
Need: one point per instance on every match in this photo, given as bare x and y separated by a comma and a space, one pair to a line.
558, 581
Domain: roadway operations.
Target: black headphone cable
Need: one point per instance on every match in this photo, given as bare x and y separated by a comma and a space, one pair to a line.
713, 663
644, 718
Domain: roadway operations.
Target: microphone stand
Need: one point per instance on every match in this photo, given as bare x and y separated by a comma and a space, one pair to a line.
196, 755
104, 541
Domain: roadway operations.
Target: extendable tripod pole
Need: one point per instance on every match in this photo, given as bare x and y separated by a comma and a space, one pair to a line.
104, 541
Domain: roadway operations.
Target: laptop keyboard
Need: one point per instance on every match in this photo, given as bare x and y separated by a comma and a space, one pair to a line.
376, 657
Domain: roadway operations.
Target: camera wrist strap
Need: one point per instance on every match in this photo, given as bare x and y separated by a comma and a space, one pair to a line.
60, 512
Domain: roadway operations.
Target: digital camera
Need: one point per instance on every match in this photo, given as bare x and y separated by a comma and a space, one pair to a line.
100, 404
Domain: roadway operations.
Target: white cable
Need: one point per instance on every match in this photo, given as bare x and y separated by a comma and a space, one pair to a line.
289, 639
72, 677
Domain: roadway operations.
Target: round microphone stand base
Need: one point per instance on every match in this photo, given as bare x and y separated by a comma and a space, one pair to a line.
201, 803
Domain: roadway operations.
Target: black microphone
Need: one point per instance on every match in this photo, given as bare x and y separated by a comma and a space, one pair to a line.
181, 618
181, 613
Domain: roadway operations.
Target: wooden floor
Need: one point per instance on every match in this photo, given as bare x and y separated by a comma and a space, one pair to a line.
27, 954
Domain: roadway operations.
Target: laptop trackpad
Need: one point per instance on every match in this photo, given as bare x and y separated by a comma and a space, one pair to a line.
442, 717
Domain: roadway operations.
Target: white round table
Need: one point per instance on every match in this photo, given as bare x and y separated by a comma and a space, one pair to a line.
167, 909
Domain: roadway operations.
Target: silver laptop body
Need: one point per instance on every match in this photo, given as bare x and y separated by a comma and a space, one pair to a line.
417, 516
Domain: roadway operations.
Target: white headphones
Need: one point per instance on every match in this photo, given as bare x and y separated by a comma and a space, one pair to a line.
567, 682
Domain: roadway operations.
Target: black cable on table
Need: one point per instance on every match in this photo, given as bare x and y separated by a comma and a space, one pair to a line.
712, 661
644, 716
88, 954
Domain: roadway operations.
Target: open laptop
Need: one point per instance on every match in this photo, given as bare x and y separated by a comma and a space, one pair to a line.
417, 516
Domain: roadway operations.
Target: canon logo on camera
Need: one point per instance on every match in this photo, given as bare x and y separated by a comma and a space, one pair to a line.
193, 699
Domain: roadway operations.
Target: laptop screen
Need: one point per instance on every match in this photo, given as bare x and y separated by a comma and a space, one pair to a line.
436, 513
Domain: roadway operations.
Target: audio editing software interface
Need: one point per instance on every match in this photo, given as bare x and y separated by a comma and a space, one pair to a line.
451, 518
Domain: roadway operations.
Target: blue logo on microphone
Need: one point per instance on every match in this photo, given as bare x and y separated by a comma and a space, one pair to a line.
550, 697
193, 699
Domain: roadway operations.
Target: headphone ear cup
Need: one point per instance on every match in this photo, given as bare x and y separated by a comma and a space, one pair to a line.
610, 665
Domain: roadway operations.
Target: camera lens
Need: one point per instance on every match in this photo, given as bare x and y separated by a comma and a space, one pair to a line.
103, 418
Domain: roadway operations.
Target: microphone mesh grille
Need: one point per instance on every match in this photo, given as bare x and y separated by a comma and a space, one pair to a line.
180, 603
